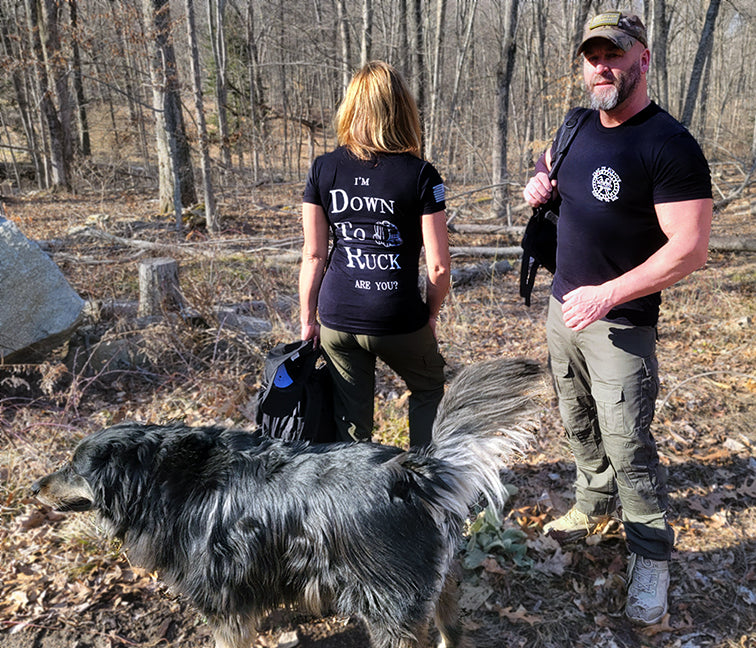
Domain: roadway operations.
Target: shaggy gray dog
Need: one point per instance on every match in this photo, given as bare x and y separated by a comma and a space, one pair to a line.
242, 523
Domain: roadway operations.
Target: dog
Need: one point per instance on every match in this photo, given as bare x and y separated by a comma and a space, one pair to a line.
242, 523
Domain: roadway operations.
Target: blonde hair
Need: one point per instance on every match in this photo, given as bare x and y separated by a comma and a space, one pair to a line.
378, 114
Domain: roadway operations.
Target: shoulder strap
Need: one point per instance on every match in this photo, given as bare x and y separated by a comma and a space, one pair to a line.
566, 133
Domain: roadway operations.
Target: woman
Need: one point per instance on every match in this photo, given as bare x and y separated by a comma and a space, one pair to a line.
382, 203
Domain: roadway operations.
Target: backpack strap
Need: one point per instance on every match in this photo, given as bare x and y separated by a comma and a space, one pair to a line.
529, 264
528, 268
564, 136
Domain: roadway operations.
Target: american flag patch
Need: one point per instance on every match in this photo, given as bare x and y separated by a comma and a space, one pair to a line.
439, 193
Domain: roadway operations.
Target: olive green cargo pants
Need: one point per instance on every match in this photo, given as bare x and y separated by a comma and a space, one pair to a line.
606, 378
413, 356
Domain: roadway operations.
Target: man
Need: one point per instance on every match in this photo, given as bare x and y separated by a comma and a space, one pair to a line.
635, 218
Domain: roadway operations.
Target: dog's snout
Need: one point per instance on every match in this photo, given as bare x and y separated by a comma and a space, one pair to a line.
36, 487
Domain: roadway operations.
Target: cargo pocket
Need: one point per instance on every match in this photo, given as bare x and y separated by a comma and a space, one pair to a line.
609, 407
563, 378
575, 404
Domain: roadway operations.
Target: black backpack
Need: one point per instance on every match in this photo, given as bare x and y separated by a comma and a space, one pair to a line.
540, 239
296, 398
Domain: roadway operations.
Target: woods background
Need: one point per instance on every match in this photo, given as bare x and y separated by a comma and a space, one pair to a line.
194, 97
122, 121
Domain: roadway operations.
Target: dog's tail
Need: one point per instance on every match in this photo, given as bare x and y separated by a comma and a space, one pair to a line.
482, 422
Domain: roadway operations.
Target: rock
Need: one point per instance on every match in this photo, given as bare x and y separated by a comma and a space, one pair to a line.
39, 310
254, 327
288, 640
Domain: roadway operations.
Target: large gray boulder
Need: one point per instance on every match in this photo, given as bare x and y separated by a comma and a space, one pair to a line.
38, 308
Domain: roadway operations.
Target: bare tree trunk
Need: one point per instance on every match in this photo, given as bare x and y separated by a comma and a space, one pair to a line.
403, 60
59, 161
435, 89
418, 76
703, 52
283, 79
216, 21
81, 102
704, 100
58, 69
207, 185
12, 48
659, 52
346, 66
579, 15
501, 129
133, 70
367, 32
255, 91
460, 66
176, 179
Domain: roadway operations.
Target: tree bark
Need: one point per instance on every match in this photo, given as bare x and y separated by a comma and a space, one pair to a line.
256, 97
58, 69
460, 66
158, 287
366, 45
13, 49
81, 103
346, 65
176, 179
435, 86
578, 12
659, 52
210, 211
58, 147
504, 73
703, 52
216, 21
418, 76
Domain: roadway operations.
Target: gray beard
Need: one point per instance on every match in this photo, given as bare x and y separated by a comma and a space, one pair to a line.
607, 101
610, 99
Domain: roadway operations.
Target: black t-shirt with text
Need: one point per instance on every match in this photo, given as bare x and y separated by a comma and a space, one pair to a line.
609, 182
375, 210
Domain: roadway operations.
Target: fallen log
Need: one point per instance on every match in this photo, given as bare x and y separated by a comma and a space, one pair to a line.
501, 252
732, 244
468, 273
481, 228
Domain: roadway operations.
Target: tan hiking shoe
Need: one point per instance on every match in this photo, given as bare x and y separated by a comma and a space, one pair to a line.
574, 525
648, 581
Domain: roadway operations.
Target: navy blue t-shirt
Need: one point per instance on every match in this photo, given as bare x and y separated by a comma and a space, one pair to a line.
609, 181
375, 210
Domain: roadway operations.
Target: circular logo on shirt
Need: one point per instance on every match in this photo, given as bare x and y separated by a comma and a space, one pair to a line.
606, 184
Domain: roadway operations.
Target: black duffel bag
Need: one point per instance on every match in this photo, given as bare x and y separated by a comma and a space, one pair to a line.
296, 398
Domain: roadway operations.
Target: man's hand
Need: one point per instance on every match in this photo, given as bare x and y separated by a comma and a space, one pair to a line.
538, 190
586, 305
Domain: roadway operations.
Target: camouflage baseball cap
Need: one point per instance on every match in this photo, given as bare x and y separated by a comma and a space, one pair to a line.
620, 28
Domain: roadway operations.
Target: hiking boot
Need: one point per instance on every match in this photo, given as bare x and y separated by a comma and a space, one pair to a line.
648, 581
574, 525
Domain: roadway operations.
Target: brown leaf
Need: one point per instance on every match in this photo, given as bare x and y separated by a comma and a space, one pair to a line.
491, 565
520, 614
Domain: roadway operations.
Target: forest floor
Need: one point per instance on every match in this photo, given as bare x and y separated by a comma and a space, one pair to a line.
63, 584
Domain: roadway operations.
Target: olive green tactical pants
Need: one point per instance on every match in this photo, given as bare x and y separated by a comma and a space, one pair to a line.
413, 356
606, 378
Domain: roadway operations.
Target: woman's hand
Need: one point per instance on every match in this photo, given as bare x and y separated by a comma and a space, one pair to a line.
311, 332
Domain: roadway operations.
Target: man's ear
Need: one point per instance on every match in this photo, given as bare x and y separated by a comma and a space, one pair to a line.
645, 61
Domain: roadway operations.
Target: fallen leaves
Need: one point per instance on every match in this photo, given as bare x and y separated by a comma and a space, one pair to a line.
520, 615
